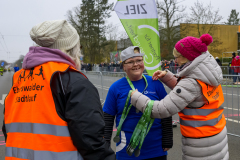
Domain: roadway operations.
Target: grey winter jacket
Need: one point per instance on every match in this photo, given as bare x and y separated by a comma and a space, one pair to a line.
205, 69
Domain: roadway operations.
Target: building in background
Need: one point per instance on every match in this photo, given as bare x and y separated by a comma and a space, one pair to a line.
226, 38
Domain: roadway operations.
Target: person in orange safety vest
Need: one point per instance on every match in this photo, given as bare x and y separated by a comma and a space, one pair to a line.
197, 97
53, 112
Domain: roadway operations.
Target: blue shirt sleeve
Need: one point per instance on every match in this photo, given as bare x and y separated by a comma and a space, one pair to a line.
160, 90
110, 105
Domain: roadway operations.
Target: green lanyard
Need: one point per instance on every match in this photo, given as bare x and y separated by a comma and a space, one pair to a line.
143, 126
131, 85
126, 109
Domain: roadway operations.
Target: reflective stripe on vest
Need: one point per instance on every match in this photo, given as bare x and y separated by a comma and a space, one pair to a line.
207, 120
34, 129
41, 155
38, 128
203, 112
211, 122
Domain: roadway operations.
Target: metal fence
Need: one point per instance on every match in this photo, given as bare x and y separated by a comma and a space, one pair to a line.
225, 69
231, 103
103, 81
106, 69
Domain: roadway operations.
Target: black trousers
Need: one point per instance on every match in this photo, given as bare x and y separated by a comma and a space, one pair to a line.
158, 158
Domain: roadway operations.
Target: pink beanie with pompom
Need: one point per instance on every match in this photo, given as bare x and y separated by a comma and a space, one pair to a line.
191, 47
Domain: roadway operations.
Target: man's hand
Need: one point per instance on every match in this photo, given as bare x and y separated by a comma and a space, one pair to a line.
158, 74
133, 92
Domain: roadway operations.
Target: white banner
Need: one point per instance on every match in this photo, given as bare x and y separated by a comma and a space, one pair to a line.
136, 9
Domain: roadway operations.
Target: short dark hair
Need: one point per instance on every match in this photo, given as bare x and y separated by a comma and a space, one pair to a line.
137, 48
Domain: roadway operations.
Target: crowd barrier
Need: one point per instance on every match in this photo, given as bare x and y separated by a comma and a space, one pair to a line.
103, 80
173, 69
106, 69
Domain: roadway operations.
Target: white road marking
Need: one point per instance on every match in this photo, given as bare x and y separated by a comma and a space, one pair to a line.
228, 119
100, 87
112, 80
231, 109
3, 98
231, 94
231, 120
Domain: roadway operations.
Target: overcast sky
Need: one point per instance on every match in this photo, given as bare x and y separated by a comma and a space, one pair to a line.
17, 17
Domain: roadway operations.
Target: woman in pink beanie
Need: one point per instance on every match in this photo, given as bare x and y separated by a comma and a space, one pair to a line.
197, 97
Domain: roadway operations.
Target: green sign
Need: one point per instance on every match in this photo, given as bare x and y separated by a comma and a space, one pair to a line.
140, 20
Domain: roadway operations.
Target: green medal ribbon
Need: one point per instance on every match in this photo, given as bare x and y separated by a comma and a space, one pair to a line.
143, 126
141, 131
126, 110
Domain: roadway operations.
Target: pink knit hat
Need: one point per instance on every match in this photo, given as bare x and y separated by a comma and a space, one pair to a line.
237, 57
191, 47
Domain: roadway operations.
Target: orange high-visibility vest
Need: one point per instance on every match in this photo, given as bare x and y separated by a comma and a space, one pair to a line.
207, 120
166, 67
34, 129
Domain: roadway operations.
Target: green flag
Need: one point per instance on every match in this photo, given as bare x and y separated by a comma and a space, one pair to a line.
140, 20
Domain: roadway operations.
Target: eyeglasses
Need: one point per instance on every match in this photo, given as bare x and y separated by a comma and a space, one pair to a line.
177, 57
131, 63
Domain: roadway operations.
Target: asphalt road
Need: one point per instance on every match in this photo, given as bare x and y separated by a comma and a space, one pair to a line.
231, 111
5, 86
103, 83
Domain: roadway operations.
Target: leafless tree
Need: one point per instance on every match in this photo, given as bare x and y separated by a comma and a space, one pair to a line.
205, 17
170, 14
112, 32
124, 40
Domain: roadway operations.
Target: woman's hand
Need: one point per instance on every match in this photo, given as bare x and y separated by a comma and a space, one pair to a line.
133, 92
166, 149
158, 74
